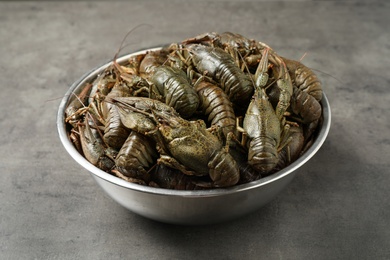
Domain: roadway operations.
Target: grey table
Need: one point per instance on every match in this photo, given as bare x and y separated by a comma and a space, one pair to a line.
336, 208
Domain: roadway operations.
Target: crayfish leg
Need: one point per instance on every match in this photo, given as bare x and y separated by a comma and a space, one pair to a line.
285, 137
173, 163
241, 130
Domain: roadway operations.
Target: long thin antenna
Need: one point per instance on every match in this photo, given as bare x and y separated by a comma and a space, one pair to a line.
317, 70
303, 56
127, 35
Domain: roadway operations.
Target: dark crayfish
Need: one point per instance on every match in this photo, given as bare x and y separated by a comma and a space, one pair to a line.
219, 65
94, 149
215, 104
262, 124
174, 86
184, 145
304, 78
293, 149
169, 178
235, 44
137, 154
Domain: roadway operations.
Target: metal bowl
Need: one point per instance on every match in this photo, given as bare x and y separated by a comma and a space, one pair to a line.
187, 207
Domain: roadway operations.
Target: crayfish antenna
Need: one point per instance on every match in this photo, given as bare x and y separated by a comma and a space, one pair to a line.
122, 46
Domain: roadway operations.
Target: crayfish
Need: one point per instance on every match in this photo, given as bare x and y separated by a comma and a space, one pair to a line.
212, 111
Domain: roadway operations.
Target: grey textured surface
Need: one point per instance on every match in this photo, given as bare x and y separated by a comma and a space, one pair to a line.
336, 208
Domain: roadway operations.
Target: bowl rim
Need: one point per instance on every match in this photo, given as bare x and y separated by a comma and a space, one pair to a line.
87, 77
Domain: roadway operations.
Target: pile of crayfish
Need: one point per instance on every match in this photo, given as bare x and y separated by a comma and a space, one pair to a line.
215, 110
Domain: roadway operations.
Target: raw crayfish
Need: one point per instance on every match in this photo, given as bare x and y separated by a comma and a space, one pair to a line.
215, 110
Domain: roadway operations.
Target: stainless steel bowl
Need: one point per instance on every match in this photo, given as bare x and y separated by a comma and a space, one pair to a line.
187, 207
